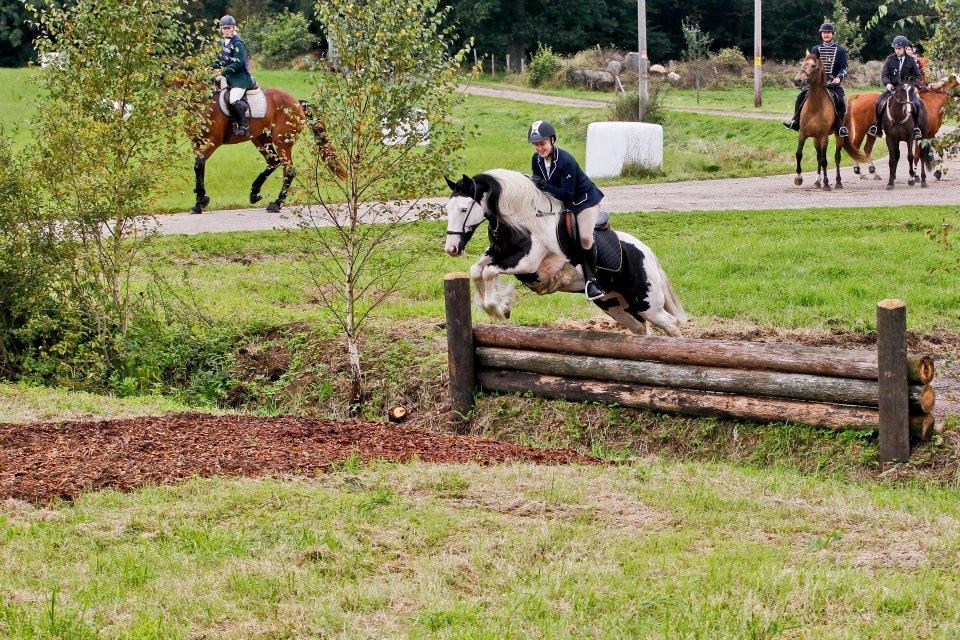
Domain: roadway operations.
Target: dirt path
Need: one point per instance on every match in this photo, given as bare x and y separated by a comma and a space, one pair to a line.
40, 462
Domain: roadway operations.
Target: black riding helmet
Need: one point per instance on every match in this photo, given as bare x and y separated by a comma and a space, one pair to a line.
228, 21
826, 26
900, 41
541, 130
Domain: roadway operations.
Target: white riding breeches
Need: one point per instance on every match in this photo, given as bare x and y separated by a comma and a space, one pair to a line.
235, 94
586, 221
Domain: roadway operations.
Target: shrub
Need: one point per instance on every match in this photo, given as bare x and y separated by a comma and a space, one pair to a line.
626, 107
730, 60
280, 38
544, 66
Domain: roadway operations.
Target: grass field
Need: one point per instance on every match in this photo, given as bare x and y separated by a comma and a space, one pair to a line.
650, 549
695, 146
793, 268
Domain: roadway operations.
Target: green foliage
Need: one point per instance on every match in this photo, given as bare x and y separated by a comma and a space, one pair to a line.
850, 30
281, 37
392, 103
697, 49
730, 60
626, 106
544, 66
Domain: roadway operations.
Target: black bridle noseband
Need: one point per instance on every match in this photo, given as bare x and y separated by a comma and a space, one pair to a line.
467, 232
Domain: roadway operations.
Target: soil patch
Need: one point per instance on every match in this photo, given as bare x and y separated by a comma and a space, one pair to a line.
45, 461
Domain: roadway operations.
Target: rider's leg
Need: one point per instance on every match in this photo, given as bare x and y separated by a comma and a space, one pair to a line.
876, 129
586, 221
239, 106
917, 110
841, 103
794, 122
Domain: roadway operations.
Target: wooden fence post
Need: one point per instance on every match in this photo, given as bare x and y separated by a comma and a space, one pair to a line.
892, 369
460, 353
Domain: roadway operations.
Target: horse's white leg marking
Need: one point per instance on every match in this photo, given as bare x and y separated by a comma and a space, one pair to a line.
663, 320
497, 301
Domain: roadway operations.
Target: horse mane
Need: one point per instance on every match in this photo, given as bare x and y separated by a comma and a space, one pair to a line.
517, 202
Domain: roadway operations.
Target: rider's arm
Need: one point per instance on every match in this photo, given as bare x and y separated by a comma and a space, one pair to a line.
840, 64
236, 59
535, 167
568, 183
885, 78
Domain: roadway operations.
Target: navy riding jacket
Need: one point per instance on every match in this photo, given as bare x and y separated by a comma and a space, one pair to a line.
566, 181
894, 73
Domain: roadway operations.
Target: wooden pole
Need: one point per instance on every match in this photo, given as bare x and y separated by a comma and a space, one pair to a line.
456, 295
766, 356
796, 386
892, 365
757, 56
493, 64
642, 70
508, 63
683, 401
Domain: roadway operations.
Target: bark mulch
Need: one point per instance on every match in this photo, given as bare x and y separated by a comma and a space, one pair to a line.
45, 461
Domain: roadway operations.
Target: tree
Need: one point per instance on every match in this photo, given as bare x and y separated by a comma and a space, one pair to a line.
396, 74
697, 49
129, 84
849, 30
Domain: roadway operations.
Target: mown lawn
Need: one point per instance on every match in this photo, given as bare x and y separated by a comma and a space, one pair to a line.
790, 268
695, 146
650, 549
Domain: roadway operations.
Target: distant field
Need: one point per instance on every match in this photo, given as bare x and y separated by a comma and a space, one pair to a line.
697, 147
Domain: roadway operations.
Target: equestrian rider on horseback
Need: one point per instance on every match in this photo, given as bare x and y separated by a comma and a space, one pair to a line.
898, 67
557, 172
834, 59
235, 73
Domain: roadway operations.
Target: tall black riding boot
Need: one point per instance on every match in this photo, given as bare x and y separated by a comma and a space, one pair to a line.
842, 115
876, 129
794, 122
917, 133
239, 109
592, 289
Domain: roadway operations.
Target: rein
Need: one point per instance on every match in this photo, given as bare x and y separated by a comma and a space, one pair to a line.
908, 104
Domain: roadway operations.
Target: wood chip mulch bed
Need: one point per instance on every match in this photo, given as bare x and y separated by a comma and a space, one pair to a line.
45, 461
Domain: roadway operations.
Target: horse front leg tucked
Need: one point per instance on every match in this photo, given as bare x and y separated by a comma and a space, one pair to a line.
497, 296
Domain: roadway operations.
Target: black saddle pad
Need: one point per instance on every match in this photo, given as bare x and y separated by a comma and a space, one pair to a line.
609, 249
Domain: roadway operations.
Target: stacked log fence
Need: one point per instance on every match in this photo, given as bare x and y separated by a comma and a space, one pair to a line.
887, 390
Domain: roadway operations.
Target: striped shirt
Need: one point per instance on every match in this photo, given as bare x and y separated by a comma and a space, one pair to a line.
828, 55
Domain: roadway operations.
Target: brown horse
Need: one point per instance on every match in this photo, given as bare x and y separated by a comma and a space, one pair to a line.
861, 114
898, 127
817, 120
273, 135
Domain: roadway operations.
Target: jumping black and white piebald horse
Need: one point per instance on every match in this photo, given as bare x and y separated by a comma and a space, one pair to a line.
532, 238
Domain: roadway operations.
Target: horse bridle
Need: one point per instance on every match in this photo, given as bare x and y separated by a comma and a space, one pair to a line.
908, 102
467, 232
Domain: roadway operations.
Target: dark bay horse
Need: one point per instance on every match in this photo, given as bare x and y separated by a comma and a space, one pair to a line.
898, 127
817, 121
273, 135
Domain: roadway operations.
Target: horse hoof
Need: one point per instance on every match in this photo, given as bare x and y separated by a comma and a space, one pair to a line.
911, 182
889, 187
876, 176
196, 208
938, 174
923, 185
273, 207
838, 186
798, 181
817, 185
204, 201
856, 170
872, 169
506, 314
826, 187
255, 198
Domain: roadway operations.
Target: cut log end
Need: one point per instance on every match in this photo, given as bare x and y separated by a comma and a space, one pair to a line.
891, 303
457, 275
921, 369
397, 414
923, 426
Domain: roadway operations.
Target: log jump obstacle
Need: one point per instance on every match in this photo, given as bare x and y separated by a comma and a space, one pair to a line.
888, 389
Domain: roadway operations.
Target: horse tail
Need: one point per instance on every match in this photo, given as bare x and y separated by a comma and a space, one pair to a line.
671, 302
855, 153
327, 151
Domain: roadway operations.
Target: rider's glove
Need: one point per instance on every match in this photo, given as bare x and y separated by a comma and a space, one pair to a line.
540, 182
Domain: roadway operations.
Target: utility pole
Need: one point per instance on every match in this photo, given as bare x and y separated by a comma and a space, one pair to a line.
757, 57
643, 66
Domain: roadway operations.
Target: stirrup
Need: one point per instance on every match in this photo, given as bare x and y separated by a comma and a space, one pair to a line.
843, 132
789, 124
597, 294
917, 134
874, 131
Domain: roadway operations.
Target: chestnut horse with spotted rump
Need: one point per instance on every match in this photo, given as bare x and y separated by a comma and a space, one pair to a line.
273, 135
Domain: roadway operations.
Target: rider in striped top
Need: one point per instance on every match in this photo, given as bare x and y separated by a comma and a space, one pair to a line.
834, 59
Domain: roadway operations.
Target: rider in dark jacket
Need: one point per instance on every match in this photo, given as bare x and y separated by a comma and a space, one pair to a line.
557, 172
235, 72
898, 67
834, 59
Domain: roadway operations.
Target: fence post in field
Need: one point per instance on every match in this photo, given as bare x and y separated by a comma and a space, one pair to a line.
892, 369
460, 352
493, 64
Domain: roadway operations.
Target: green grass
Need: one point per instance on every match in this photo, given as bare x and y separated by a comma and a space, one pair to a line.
22, 403
645, 550
790, 268
695, 146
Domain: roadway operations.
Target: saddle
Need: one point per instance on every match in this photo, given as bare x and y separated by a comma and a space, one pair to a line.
609, 249
256, 99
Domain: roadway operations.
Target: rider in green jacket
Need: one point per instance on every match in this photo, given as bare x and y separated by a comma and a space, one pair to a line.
235, 72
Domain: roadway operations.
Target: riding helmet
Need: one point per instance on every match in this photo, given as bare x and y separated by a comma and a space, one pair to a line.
540, 130
228, 21
900, 41
826, 26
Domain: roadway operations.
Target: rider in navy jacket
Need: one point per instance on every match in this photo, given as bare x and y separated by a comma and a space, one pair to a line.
557, 172
898, 67
834, 59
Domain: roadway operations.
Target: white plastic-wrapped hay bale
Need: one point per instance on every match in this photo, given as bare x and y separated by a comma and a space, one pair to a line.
611, 145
